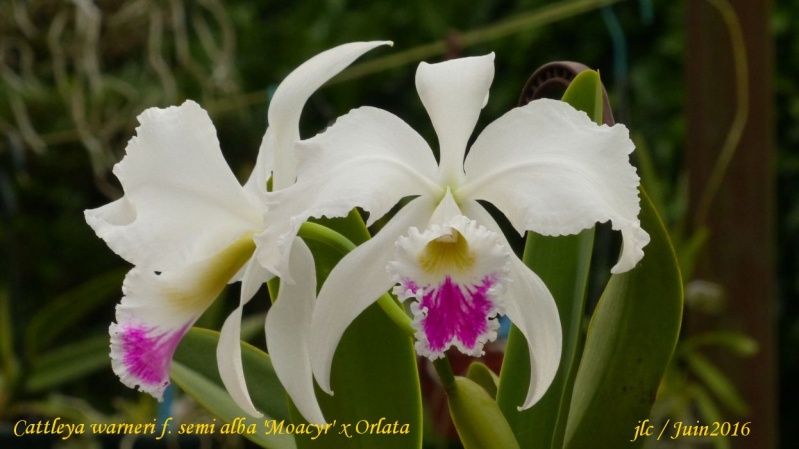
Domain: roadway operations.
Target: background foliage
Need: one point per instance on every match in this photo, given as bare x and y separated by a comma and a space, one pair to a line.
73, 76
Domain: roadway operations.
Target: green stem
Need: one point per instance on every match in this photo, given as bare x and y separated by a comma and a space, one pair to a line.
323, 234
735, 132
396, 313
444, 370
520, 23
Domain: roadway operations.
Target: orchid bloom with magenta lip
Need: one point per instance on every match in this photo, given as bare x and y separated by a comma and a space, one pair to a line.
189, 228
546, 166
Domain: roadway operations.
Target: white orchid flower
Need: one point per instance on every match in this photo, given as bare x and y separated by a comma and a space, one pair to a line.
546, 166
188, 226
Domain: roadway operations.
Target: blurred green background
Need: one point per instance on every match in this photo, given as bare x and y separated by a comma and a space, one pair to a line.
74, 75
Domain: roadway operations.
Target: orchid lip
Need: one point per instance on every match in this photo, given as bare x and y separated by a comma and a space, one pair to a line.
456, 273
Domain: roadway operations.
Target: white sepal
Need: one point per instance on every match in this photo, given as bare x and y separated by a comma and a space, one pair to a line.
288, 328
182, 203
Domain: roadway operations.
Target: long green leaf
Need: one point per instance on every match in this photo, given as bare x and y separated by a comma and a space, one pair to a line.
630, 341
63, 313
563, 264
717, 382
67, 363
215, 398
374, 374
195, 371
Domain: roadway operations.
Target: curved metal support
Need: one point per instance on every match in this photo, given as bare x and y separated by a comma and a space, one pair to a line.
550, 80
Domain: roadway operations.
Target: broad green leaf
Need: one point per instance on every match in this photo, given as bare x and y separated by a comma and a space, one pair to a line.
585, 93
631, 338
480, 422
215, 398
374, 374
67, 363
482, 375
195, 371
563, 264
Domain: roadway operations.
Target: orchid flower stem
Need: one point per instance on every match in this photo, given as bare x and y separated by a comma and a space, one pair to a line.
323, 234
396, 313
444, 370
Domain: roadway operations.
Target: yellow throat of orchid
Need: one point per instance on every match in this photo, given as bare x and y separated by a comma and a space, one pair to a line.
447, 253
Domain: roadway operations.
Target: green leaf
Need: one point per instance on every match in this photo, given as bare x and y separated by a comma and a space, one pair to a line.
710, 413
215, 398
67, 363
688, 250
563, 264
480, 422
64, 312
585, 93
721, 386
195, 371
738, 343
630, 341
482, 375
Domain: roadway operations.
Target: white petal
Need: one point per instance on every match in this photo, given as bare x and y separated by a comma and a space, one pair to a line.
551, 170
355, 283
454, 92
231, 370
254, 277
531, 307
228, 350
288, 327
157, 310
182, 203
369, 158
635, 239
290, 97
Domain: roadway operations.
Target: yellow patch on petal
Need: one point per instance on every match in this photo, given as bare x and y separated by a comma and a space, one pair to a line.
446, 254
211, 276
